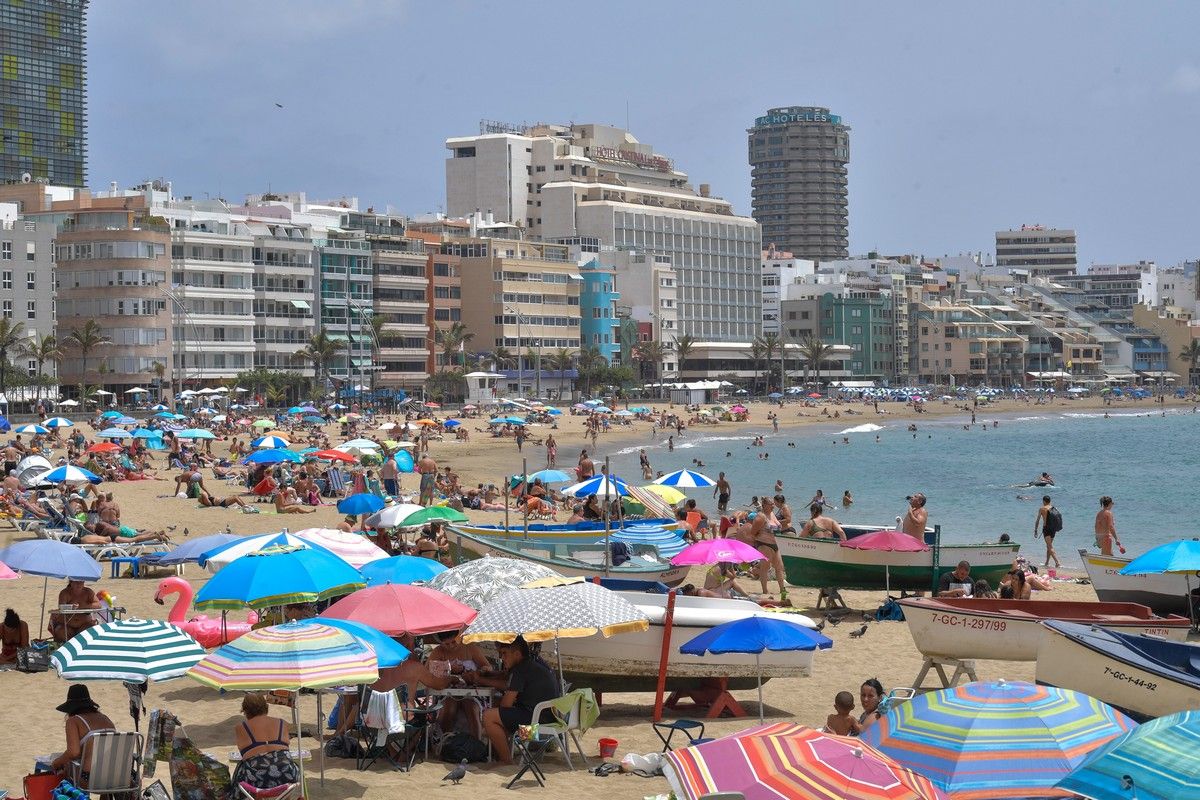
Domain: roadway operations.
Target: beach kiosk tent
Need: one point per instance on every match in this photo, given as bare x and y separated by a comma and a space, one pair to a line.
697, 393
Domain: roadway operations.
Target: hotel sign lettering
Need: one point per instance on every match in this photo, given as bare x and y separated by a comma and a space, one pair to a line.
631, 157
798, 116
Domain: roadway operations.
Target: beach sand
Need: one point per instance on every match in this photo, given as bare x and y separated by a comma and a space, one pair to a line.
886, 652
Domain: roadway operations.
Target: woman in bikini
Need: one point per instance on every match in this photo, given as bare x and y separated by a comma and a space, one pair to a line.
14, 635
821, 526
763, 528
263, 742
83, 717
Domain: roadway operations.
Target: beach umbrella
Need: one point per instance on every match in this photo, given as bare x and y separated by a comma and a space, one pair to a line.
451, 423
292, 656
219, 418
431, 405
600, 485
988, 740
886, 542
272, 457
361, 503
391, 516
59, 422
388, 652
716, 551
776, 395
333, 455
478, 581
313, 420
278, 575
195, 433
296, 410
50, 558
114, 433
668, 493
130, 650
33, 429
433, 513
192, 549
401, 570
160, 407
561, 611
271, 442
396, 609
110, 414
307, 409
338, 406
353, 548
70, 474
1181, 557
262, 423
788, 761
548, 476
387, 426
1158, 760
686, 479
754, 635
165, 415
221, 555
104, 447
6, 573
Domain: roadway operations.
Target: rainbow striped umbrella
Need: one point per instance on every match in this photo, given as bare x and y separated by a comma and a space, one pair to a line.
984, 741
1159, 760
786, 761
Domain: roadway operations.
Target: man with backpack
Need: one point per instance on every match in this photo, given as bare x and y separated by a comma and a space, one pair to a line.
1049, 519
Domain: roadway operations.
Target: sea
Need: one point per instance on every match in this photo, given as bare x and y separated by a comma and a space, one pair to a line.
1146, 461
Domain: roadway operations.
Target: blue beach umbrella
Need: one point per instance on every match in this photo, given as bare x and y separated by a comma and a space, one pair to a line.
295, 410
686, 479
774, 395
165, 415
313, 420
549, 476
361, 503
1158, 760
125, 421
195, 433
48, 559
272, 457
70, 474
279, 575
1173, 557
145, 433
31, 429
599, 485
113, 433
192, 549
451, 423
271, 442
111, 415
59, 422
401, 570
388, 651
160, 407
754, 635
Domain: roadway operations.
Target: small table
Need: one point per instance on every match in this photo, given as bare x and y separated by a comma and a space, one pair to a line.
530, 752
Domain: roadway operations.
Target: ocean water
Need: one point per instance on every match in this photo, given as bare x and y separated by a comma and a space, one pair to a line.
1147, 462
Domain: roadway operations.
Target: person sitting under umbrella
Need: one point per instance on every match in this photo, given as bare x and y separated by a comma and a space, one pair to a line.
63, 627
409, 674
263, 742
530, 681
83, 717
14, 635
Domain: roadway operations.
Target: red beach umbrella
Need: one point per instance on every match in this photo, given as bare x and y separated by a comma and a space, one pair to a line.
395, 609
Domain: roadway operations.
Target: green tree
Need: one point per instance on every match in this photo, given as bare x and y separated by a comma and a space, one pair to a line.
320, 350
12, 341
42, 350
1191, 356
814, 352
684, 346
451, 340
86, 340
503, 358
650, 353
756, 358
590, 363
159, 370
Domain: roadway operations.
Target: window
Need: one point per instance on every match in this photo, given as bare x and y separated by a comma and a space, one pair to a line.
31, 310
32, 366
31, 251
6, 251
6, 281
856, 330
8, 309
31, 280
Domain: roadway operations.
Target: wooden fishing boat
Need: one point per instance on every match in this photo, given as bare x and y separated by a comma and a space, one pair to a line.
1166, 594
586, 532
1011, 630
1144, 676
571, 559
824, 562
630, 662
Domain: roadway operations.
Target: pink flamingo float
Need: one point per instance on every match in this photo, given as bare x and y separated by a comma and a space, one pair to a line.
204, 629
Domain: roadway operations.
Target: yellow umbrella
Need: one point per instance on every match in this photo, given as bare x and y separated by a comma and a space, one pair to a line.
668, 493
425, 422
343, 420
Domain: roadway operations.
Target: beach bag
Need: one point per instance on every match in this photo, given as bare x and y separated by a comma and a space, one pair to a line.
463, 745
1053, 522
35, 658
343, 746
890, 611
41, 785
620, 553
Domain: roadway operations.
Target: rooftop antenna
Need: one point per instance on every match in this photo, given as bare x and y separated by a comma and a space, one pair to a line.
626, 114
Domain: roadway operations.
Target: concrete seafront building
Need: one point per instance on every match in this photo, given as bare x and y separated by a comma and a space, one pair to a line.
43, 92
779, 270
558, 182
1035, 251
799, 181
27, 280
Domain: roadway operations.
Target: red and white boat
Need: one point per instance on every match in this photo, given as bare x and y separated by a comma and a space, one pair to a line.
1011, 630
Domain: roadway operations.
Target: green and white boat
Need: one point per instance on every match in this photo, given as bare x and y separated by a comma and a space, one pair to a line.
824, 562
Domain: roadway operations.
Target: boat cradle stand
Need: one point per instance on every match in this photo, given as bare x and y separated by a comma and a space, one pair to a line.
938, 663
831, 598
713, 695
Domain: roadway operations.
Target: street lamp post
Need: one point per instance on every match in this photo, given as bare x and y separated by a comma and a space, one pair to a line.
520, 368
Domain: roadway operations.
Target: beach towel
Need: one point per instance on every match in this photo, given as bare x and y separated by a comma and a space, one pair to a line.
589, 709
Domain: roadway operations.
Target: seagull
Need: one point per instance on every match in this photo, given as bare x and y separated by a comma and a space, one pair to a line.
858, 633
279, 105
458, 773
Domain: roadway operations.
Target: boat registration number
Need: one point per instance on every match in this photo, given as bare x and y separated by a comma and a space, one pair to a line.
1121, 676
974, 623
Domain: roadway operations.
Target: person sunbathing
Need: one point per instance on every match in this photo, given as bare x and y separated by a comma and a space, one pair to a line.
209, 501
286, 502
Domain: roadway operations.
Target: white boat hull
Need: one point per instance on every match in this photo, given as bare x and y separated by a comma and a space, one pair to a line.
1163, 593
952, 633
638, 654
1068, 664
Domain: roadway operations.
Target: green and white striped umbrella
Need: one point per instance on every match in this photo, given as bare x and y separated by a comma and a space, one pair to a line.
131, 650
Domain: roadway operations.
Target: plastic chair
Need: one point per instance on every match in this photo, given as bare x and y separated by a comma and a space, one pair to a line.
561, 728
112, 762
285, 791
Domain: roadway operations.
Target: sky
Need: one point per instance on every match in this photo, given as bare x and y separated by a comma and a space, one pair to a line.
966, 118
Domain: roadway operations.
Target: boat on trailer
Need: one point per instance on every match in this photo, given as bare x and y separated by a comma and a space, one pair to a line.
1166, 593
1144, 676
824, 562
1011, 630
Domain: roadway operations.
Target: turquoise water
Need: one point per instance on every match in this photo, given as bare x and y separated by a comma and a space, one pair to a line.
1145, 461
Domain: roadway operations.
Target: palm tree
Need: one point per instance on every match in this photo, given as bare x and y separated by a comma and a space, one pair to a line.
86, 340
683, 348
375, 323
814, 351
503, 358
452, 339
1191, 356
159, 370
42, 350
651, 352
756, 356
319, 352
12, 340
771, 344
590, 361
562, 360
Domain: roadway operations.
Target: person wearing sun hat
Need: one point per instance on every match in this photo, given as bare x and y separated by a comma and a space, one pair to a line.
83, 717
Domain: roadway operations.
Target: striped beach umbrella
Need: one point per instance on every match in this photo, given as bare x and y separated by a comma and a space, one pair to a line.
70, 474
113, 433
195, 433
353, 548
686, 479
786, 761
601, 485
268, 442
31, 429
1159, 760
130, 650
221, 554
990, 740
59, 422
277, 576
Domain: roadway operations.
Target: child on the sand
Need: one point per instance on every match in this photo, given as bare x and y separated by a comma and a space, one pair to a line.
843, 723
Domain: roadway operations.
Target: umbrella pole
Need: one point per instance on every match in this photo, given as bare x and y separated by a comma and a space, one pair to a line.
320, 732
525, 494
45, 589
1187, 581
507, 492
758, 664
299, 757
607, 520
562, 682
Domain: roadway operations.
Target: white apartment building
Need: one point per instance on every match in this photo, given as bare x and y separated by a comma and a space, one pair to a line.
27, 280
1037, 252
779, 269
560, 182
649, 288
284, 292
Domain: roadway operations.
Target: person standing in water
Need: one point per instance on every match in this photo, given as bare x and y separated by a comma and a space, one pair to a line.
722, 492
847, 500
1106, 528
1049, 519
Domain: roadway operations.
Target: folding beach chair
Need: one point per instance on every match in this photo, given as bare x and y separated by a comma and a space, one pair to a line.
112, 762
337, 483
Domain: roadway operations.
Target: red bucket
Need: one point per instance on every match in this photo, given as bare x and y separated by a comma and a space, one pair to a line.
608, 748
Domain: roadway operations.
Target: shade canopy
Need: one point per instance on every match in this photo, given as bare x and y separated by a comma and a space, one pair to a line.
270, 442
130, 650
279, 575
70, 474
277, 456
48, 558
401, 570
686, 479
444, 513
361, 503
754, 635
478, 581
396, 609
353, 548
888, 541
600, 485
1158, 760
565, 611
391, 516
33, 429
58, 422
224, 554
1179, 557
715, 551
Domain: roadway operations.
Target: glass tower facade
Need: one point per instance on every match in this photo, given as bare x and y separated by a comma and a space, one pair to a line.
43, 88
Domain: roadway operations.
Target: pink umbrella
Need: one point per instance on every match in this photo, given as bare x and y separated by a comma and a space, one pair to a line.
738, 409
714, 551
395, 609
353, 548
7, 574
886, 541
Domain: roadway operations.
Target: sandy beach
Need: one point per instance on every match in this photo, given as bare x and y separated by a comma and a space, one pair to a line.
886, 651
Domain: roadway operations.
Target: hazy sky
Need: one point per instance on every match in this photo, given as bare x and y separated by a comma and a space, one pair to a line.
965, 117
